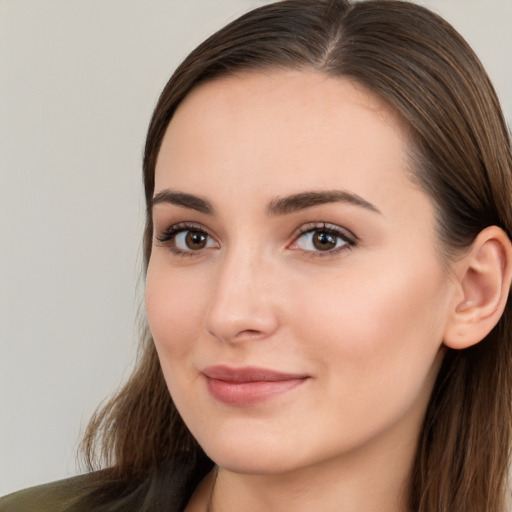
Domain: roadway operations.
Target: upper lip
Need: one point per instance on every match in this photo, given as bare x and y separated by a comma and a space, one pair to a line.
248, 374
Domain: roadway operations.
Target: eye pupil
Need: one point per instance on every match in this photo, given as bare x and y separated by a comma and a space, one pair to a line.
324, 241
195, 240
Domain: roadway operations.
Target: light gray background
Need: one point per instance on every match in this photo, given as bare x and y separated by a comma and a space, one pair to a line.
78, 81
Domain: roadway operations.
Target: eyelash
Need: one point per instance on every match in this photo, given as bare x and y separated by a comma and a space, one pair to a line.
169, 235
349, 239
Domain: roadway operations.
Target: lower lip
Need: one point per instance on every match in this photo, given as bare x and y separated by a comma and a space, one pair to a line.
249, 393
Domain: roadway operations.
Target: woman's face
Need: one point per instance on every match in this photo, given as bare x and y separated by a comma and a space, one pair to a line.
294, 291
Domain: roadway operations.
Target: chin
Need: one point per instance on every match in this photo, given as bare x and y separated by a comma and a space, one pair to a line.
252, 462
250, 454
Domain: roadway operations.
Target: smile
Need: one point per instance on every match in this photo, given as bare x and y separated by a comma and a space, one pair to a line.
249, 385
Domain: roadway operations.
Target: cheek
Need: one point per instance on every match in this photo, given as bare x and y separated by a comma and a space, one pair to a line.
174, 306
376, 333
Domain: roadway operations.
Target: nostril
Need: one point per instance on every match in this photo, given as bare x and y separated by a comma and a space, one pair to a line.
249, 333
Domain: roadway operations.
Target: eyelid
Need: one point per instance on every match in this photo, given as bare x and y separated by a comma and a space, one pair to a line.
166, 234
169, 234
344, 234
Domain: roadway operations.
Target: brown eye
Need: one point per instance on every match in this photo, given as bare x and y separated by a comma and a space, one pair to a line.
186, 240
195, 240
324, 241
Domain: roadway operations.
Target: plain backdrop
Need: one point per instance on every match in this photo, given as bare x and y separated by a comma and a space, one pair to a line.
78, 81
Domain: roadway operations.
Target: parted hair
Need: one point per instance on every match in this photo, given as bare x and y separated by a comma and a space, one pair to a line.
460, 155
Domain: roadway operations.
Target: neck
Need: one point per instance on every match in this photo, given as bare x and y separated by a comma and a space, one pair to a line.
353, 484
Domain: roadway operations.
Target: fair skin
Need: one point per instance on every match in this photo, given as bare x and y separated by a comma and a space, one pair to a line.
343, 293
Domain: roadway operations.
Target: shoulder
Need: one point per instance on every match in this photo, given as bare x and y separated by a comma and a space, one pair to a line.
60, 496
167, 488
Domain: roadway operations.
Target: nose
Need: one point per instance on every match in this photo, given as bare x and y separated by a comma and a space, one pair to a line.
243, 304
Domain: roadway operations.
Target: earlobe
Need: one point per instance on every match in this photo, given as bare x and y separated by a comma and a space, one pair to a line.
485, 275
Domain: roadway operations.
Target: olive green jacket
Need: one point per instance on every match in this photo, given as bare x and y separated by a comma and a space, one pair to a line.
165, 489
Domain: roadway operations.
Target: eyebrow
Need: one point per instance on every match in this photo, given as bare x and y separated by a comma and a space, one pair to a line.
276, 207
303, 200
184, 200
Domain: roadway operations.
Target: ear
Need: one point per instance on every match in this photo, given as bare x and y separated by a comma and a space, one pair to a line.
484, 276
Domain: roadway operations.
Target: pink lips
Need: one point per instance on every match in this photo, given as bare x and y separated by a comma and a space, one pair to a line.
248, 385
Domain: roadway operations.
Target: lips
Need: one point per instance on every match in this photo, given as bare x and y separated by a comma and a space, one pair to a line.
249, 385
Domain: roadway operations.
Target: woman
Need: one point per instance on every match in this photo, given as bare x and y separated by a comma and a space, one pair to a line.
328, 257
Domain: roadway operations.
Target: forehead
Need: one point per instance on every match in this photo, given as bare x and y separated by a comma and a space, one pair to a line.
281, 132
283, 96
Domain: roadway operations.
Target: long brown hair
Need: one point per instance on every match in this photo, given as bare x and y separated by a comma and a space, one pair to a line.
461, 154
